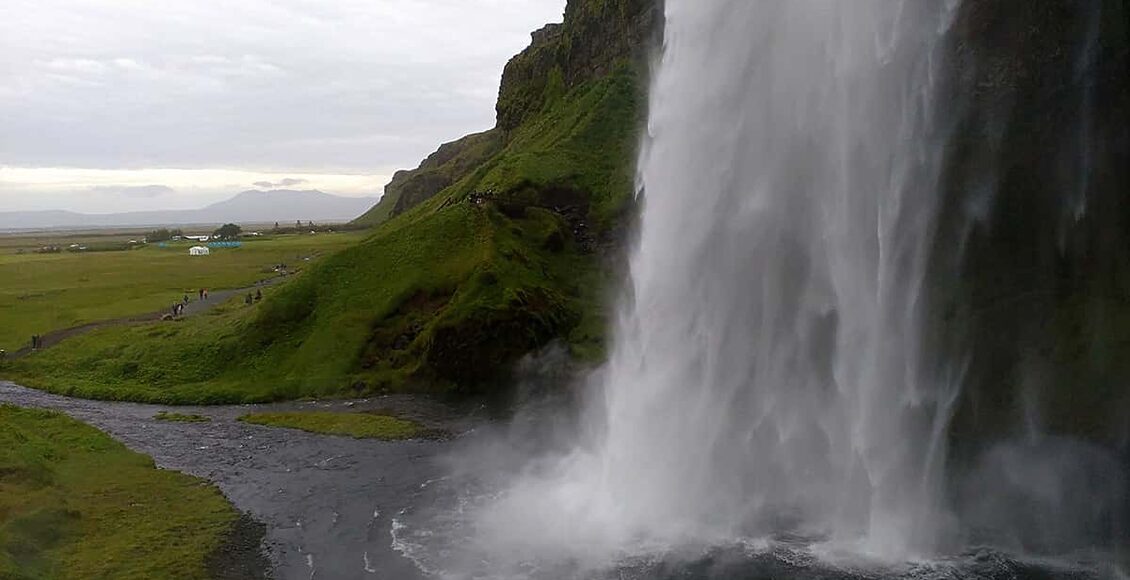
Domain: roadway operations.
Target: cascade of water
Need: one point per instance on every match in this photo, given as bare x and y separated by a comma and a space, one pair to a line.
769, 368
767, 374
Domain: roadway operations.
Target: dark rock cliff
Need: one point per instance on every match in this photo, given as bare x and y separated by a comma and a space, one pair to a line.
1035, 229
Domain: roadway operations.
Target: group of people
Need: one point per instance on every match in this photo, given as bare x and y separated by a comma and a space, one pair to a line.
178, 308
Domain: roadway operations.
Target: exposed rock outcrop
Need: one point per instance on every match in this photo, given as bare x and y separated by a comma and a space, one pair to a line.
1035, 227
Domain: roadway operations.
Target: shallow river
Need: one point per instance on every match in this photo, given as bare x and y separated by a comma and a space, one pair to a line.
341, 508
328, 502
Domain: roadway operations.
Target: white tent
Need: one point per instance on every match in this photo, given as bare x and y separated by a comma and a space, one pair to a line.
198, 251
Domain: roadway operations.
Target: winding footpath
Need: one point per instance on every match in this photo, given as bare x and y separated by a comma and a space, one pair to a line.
193, 308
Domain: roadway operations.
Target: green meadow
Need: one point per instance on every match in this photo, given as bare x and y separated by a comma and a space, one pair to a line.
442, 298
75, 504
40, 293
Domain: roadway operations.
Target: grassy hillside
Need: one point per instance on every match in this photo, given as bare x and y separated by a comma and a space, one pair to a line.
497, 245
74, 504
443, 297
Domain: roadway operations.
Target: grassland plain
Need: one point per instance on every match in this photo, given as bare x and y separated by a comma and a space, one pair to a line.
357, 425
44, 292
449, 290
442, 297
75, 504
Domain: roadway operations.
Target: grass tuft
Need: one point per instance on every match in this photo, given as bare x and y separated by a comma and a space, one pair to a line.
357, 425
181, 417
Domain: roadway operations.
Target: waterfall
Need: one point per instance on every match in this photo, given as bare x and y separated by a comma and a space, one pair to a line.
830, 218
768, 374
769, 370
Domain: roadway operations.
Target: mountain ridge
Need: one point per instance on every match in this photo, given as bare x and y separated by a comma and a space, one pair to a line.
282, 205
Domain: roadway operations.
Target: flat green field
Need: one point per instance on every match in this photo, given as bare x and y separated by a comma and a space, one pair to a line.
75, 504
40, 293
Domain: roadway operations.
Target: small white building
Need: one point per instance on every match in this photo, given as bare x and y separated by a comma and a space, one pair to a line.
198, 251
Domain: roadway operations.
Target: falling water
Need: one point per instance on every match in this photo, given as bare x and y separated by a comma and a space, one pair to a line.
768, 375
769, 371
776, 381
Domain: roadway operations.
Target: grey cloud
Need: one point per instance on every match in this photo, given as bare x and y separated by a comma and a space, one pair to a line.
133, 190
264, 85
286, 182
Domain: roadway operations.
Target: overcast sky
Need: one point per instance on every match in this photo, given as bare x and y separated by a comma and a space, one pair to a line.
113, 105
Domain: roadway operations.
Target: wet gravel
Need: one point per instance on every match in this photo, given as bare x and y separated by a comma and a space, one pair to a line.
327, 502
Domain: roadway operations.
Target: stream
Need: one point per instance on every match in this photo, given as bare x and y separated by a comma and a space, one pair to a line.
341, 508
328, 502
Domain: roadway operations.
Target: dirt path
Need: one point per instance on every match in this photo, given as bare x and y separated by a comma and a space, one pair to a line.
194, 307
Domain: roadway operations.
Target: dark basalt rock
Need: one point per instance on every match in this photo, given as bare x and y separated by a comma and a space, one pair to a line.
241, 555
1035, 223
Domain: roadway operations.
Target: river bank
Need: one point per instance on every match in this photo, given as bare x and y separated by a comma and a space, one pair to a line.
327, 503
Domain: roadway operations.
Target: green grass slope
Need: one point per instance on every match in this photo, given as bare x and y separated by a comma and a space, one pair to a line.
74, 504
444, 297
497, 245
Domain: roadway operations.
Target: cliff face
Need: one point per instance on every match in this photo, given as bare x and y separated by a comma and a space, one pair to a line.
1035, 227
450, 163
595, 38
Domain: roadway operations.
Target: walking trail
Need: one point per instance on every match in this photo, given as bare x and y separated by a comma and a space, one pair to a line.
194, 307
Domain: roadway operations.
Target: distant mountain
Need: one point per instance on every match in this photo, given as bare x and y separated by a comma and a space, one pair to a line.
282, 205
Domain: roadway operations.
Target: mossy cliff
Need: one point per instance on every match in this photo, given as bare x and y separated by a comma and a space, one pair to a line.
596, 38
